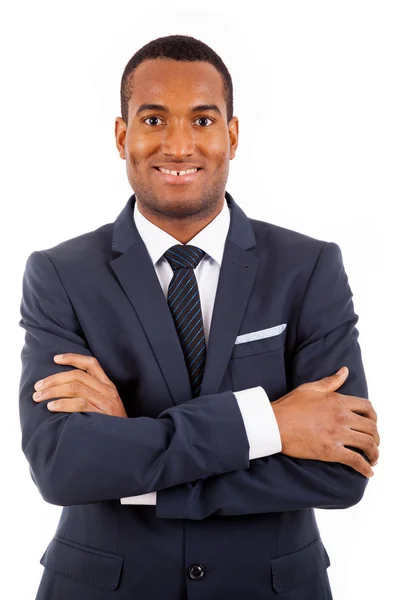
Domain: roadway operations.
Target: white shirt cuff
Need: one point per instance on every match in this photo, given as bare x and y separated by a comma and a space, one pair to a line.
150, 498
260, 423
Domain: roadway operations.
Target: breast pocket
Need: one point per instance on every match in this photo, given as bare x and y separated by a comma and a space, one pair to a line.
260, 361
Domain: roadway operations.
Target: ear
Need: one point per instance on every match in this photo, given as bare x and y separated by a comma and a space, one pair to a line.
233, 128
120, 136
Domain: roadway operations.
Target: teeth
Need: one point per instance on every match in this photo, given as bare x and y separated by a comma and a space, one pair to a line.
168, 172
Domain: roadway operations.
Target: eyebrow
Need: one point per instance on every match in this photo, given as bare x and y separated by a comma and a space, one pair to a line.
160, 107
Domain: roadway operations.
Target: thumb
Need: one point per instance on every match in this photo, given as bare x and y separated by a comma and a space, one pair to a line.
331, 382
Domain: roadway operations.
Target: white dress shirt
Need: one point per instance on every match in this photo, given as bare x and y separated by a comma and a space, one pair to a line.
258, 417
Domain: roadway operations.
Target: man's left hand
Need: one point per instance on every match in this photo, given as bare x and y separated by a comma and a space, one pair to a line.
85, 389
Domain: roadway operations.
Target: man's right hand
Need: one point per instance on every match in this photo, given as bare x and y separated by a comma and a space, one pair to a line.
316, 422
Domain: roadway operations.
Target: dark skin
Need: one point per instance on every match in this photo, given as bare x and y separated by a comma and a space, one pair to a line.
178, 135
314, 420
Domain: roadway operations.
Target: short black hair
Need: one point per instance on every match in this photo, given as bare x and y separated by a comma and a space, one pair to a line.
176, 47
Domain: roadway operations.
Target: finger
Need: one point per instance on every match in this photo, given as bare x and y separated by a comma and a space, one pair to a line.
90, 364
73, 389
73, 376
364, 425
363, 442
361, 406
355, 461
329, 383
72, 405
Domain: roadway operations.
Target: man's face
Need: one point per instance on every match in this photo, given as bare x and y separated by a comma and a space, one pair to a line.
177, 138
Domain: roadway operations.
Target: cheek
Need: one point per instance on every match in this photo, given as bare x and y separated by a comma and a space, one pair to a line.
218, 152
223, 162
135, 160
216, 145
137, 148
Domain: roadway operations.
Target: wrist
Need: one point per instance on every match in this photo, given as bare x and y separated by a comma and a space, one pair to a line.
279, 417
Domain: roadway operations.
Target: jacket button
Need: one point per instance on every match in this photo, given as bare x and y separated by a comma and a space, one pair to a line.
196, 571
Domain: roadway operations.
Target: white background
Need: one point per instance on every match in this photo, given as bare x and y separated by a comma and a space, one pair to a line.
316, 91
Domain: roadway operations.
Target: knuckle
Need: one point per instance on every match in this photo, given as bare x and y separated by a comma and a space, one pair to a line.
329, 448
114, 394
338, 417
341, 415
373, 427
371, 446
368, 406
374, 447
357, 463
326, 382
109, 401
356, 459
346, 457
326, 447
76, 387
82, 379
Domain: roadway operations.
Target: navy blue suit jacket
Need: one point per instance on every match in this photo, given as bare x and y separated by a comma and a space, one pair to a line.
223, 526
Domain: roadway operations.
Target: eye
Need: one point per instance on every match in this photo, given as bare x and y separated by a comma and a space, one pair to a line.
205, 119
198, 118
149, 118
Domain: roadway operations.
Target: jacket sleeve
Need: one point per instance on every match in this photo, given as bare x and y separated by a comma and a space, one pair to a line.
326, 340
86, 457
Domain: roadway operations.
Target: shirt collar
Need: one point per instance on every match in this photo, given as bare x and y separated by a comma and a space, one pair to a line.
211, 239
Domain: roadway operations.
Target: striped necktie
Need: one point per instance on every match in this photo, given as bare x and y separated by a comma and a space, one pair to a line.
184, 303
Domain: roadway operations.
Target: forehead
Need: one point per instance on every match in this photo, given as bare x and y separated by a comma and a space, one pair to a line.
165, 81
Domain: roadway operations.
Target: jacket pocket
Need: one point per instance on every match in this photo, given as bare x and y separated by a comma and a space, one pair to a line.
259, 346
290, 570
83, 563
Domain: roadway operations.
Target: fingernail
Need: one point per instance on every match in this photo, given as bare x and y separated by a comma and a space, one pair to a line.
50, 405
58, 356
39, 384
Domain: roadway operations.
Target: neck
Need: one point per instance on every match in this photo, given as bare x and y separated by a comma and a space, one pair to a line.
182, 230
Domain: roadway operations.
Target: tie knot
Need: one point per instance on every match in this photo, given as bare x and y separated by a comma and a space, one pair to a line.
184, 256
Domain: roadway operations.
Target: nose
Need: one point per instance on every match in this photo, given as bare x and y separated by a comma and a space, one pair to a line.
178, 139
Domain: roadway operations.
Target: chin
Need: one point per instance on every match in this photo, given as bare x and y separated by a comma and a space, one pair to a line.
170, 203
182, 207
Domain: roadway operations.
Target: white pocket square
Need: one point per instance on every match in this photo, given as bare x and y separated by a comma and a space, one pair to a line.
262, 333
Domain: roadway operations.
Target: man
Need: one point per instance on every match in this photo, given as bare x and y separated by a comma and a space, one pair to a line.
197, 419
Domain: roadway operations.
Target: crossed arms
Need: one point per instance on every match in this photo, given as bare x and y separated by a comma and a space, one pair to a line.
195, 455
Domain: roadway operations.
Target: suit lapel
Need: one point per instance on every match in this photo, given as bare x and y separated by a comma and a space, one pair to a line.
135, 272
140, 283
236, 278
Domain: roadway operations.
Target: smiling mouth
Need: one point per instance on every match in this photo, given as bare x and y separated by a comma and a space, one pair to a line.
177, 178
178, 173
